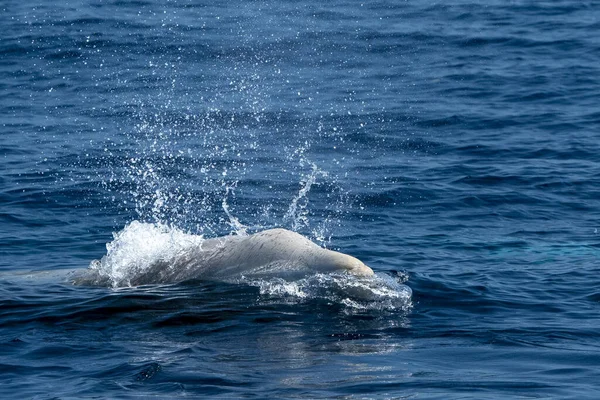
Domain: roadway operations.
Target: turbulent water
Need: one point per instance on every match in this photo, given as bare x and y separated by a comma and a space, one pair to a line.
452, 147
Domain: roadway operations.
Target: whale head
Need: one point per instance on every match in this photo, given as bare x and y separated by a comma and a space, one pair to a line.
339, 262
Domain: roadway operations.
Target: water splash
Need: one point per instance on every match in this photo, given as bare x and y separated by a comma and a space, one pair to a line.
297, 212
224, 156
235, 223
379, 292
137, 248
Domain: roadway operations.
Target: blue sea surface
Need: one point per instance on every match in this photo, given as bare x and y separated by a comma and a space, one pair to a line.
454, 147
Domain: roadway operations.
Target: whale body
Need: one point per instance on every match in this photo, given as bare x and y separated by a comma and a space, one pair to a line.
266, 254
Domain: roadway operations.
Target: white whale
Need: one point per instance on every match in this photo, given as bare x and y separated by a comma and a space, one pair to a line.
270, 253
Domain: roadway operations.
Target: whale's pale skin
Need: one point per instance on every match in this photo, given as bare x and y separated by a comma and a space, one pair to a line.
270, 253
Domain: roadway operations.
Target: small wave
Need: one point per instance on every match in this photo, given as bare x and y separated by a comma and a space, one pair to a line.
380, 292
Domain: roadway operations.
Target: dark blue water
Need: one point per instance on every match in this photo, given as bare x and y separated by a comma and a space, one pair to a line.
454, 148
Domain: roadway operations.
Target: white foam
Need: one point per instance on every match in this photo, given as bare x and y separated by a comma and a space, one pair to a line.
379, 292
139, 246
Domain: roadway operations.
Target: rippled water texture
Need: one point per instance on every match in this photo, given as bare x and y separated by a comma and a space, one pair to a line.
452, 147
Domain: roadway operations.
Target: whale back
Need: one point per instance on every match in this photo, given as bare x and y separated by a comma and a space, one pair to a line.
277, 250
271, 253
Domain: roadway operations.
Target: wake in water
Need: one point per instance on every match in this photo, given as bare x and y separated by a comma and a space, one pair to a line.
144, 253
380, 292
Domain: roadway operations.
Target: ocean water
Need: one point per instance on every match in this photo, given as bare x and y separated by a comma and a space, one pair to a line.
453, 147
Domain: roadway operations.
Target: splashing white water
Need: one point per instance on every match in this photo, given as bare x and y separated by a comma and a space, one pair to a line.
235, 223
379, 292
296, 213
138, 247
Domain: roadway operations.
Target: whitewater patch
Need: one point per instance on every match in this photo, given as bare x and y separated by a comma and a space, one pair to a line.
379, 292
134, 250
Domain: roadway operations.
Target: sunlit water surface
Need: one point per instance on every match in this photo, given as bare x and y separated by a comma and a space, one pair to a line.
454, 148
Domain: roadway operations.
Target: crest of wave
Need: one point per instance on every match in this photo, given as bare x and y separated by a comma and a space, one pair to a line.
380, 292
139, 246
